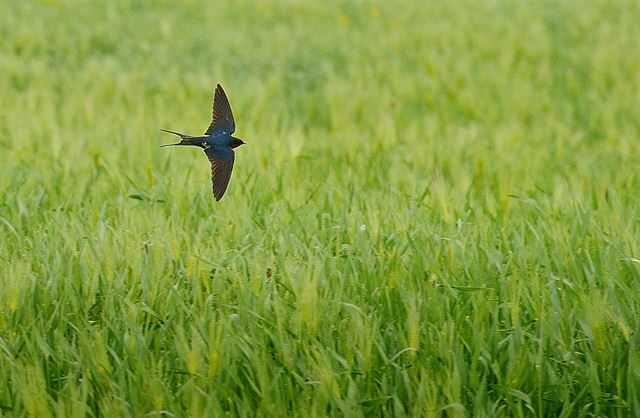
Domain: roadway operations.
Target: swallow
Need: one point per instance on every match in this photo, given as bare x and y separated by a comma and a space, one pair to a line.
217, 142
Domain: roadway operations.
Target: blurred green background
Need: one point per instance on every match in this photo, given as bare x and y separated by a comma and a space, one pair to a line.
435, 214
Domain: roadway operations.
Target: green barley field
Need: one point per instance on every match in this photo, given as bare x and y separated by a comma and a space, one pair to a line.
437, 212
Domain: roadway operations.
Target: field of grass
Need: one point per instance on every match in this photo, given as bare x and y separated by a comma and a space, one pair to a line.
437, 212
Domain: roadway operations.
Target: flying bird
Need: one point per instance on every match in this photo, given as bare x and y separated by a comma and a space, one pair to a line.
217, 142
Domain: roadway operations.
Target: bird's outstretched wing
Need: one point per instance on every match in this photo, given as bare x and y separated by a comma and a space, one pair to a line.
221, 167
222, 116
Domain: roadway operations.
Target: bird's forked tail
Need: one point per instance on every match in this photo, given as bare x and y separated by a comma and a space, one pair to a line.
185, 139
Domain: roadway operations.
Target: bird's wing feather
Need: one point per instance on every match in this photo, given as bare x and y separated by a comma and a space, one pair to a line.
222, 121
221, 167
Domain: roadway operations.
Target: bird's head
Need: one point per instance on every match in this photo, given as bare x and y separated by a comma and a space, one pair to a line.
236, 142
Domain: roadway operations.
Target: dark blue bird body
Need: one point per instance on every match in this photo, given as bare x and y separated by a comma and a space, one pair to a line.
217, 142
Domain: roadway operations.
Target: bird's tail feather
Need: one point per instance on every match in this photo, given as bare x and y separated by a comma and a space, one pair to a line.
183, 136
185, 139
